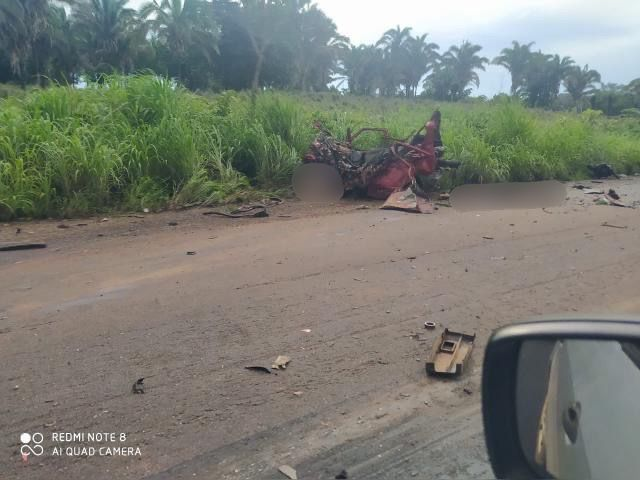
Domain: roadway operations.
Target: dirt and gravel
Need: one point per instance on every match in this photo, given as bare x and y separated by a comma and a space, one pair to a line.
339, 289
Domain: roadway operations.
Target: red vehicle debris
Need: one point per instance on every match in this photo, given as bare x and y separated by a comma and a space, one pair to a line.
331, 167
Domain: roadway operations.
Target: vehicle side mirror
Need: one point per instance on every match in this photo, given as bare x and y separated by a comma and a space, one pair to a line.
561, 399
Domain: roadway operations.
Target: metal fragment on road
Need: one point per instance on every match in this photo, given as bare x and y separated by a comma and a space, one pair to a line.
10, 247
407, 201
281, 362
605, 224
451, 353
138, 386
343, 475
288, 472
258, 368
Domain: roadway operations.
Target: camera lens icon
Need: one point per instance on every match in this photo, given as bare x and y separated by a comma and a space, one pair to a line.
27, 448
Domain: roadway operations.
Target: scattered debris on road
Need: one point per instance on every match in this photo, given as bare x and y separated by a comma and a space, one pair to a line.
63, 225
362, 207
605, 224
407, 201
488, 238
281, 362
105, 219
172, 224
258, 368
451, 353
10, 247
191, 253
298, 393
253, 210
306, 330
613, 194
138, 386
468, 391
343, 475
429, 325
288, 472
246, 211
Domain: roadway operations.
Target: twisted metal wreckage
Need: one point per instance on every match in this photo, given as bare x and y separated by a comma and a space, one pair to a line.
332, 167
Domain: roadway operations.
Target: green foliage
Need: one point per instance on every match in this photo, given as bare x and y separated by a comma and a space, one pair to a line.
143, 142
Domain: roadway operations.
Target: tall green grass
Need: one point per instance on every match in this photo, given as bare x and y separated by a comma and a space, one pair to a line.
142, 142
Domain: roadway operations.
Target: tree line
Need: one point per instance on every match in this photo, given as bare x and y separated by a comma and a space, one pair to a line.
285, 44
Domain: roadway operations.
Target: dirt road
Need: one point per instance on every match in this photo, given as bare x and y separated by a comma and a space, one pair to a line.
340, 294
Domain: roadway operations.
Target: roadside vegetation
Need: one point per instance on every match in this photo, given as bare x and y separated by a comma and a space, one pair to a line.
144, 142
182, 102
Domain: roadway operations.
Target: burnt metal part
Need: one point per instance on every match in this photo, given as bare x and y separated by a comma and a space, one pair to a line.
138, 386
381, 171
249, 211
451, 353
21, 246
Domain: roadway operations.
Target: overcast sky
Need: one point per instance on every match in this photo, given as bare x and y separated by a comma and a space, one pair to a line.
602, 33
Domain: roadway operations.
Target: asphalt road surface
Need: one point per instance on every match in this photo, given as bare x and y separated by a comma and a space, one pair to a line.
340, 290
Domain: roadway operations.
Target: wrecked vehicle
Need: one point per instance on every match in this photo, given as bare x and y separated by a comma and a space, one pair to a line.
332, 167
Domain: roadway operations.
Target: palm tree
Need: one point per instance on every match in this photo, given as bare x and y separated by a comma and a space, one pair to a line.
186, 30
393, 44
612, 87
318, 49
266, 22
55, 48
515, 60
363, 66
419, 60
633, 87
21, 22
438, 85
108, 33
580, 82
543, 78
463, 61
